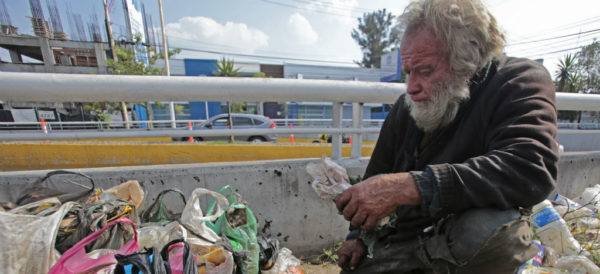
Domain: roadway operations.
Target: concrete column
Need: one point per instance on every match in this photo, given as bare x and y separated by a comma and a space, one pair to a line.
336, 139
15, 57
100, 57
357, 116
47, 55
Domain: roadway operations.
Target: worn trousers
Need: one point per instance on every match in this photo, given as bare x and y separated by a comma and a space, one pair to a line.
476, 241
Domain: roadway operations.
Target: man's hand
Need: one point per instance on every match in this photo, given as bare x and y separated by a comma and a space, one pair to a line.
377, 197
350, 254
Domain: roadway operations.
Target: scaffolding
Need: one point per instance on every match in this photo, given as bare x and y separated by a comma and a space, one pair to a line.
6, 26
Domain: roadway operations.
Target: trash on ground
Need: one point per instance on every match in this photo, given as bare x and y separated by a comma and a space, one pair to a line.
107, 231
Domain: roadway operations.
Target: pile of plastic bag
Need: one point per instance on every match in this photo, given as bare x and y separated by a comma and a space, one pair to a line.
107, 231
568, 235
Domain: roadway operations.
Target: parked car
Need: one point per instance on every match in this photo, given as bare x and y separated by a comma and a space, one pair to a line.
240, 121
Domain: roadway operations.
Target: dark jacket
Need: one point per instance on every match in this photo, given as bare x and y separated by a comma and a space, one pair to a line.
500, 151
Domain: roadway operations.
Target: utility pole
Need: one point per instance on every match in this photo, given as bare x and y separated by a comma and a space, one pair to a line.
111, 42
166, 55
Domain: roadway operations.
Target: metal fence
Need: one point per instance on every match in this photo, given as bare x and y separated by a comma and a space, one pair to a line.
32, 87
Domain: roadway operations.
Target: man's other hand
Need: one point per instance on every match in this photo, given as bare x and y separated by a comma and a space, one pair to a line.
350, 254
377, 197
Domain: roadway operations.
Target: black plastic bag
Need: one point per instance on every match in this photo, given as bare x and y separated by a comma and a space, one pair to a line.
269, 249
39, 192
189, 265
159, 213
147, 261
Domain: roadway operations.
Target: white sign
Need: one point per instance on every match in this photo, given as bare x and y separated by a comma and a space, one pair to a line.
46, 114
136, 24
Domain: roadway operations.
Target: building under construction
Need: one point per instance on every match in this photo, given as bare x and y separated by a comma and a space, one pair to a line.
6, 26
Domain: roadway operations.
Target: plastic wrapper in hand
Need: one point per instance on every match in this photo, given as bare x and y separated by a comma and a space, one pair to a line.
330, 179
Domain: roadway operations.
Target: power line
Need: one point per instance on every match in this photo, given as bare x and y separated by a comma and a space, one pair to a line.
552, 38
334, 6
267, 57
584, 39
567, 26
224, 47
301, 8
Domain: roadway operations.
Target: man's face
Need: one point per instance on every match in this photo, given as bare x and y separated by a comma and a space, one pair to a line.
434, 91
425, 61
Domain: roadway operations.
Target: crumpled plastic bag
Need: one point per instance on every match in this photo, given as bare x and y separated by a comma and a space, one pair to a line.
286, 263
577, 265
28, 240
330, 179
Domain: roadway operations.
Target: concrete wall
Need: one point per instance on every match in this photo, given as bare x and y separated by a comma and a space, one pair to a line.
279, 192
578, 170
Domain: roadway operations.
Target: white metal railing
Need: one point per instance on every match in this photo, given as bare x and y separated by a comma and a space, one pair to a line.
32, 87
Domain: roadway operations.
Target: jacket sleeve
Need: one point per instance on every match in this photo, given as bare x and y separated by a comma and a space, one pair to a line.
520, 167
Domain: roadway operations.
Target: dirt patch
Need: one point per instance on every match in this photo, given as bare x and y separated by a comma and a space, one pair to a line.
325, 268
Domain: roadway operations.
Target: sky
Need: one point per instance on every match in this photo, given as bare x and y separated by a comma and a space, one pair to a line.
318, 31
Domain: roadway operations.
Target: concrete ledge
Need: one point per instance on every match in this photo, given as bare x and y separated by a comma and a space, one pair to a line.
578, 170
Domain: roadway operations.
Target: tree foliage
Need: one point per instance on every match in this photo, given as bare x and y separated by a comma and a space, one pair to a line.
128, 64
226, 68
579, 73
375, 36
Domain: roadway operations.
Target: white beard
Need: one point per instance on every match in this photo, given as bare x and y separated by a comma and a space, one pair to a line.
441, 110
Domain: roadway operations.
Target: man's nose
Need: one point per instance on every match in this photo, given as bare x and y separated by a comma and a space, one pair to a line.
413, 85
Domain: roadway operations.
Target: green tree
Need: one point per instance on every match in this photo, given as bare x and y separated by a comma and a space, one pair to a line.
566, 78
226, 68
128, 64
566, 68
375, 36
588, 62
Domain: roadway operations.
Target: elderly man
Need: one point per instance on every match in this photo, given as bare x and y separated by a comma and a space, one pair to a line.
461, 157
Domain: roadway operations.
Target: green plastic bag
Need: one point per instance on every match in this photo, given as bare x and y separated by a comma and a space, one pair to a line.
242, 235
159, 213
238, 223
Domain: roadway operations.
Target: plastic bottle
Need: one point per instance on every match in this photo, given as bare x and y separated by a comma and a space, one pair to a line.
552, 230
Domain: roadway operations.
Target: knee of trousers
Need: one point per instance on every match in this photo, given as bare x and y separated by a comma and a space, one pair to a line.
463, 236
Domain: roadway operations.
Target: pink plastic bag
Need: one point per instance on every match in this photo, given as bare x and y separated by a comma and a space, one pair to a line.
75, 260
177, 261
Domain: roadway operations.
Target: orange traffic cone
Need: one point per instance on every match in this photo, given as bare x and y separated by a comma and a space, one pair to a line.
44, 128
350, 139
291, 135
190, 128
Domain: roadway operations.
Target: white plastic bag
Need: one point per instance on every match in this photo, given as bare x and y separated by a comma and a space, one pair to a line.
28, 241
158, 236
330, 179
590, 198
193, 219
285, 260
577, 265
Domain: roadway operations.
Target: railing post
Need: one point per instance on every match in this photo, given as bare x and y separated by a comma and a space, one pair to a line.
357, 116
336, 139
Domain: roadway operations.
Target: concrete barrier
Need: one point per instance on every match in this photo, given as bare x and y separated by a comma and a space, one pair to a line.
279, 192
